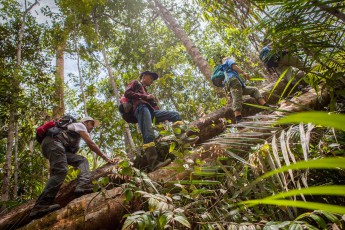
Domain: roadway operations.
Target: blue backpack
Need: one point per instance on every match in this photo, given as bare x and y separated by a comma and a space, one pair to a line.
218, 76
269, 58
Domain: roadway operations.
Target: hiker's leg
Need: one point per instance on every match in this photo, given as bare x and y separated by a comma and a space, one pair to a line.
55, 152
255, 93
163, 115
143, 114
284, 70
294, 61
82, 164
236, 91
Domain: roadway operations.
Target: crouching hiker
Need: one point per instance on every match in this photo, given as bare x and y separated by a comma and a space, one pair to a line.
145, 110
60, 146
237, 88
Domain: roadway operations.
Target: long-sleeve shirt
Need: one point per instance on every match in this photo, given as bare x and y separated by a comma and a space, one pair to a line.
138, 94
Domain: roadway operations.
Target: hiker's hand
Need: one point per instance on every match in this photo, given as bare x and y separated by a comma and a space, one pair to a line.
111, 161
150, 97
246, 76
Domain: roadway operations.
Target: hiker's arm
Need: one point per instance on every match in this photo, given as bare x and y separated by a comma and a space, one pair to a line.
92, 145
240, 71
132, 91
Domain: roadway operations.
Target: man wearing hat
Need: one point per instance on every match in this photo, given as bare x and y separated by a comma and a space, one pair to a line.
145, 110
60, 149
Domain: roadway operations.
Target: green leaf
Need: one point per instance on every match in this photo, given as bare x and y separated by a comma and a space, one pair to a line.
177, 131
329, 216
324, 163
321, 222
165, 132
172, 147
319, 118
300, 204
295, 226
337, 190
182, 220
128, 194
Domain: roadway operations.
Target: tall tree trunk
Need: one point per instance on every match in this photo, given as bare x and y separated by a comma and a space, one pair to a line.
127, 133
15, 163
15, 88
80, 75
192, 50
59, 108
7, 166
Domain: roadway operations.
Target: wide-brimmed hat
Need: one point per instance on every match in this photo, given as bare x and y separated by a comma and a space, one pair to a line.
96, 122
154, 75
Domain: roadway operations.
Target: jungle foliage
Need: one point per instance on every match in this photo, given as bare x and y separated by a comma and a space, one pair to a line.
273, 173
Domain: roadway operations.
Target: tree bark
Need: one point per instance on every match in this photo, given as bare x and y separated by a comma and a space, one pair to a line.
59, 108
15, 173
19, 216
192, 50
7, 167
215, 123
92, 211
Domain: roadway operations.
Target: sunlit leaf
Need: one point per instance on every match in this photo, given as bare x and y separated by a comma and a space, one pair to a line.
319, 118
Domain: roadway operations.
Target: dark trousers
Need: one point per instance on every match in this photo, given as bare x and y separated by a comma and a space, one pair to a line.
59, 160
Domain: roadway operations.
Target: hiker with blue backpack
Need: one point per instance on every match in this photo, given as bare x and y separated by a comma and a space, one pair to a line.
280, 62
60, 143
234, 84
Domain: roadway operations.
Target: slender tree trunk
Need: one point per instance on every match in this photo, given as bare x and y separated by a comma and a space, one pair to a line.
80, 75
59, 108
15, 174
192, 50
15, 85
7, 166
127, 133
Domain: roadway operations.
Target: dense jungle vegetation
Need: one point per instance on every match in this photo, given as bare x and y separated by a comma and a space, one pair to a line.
282, 168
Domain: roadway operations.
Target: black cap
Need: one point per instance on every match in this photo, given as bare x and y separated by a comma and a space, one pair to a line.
154, 75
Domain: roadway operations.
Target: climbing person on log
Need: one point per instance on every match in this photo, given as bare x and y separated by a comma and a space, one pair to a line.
281, 61
145, 110
60, 146
237, 88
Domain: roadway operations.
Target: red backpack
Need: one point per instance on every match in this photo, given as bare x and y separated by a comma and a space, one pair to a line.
41, 131
126, 110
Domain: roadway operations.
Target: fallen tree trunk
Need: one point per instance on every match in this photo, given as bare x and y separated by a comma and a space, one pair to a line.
18, 216
92, 211
215, 123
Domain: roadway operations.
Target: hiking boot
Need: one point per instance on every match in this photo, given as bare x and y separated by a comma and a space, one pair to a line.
178, 123
39, 210
83, 189
152, 159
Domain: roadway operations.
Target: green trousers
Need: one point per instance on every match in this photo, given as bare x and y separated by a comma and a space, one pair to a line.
234, 86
